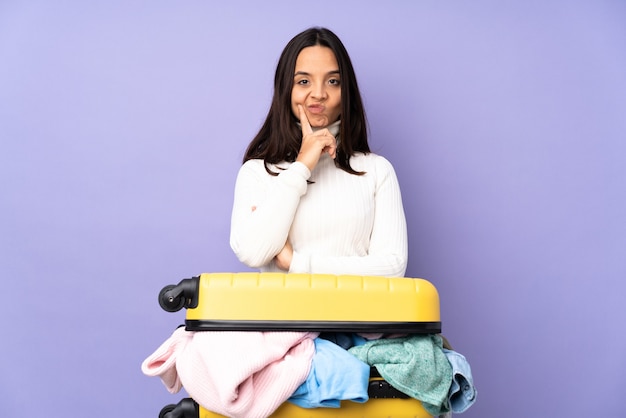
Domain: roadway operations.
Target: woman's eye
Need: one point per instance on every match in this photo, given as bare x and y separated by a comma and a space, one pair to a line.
334, 82
303, 82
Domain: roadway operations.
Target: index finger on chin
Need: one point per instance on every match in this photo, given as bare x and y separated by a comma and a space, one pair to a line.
304, 121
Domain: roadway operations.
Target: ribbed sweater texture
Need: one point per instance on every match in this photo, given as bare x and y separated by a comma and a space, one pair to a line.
337, 223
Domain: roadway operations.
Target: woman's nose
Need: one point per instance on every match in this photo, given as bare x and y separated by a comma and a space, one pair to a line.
319, 91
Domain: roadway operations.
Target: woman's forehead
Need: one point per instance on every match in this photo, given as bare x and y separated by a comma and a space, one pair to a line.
315, 58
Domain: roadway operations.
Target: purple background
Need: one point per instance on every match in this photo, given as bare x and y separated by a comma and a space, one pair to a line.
122, 126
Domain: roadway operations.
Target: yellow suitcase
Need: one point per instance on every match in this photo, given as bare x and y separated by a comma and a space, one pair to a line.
374, 408
308, 302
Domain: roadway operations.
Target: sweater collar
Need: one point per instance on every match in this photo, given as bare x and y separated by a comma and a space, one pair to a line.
333, 128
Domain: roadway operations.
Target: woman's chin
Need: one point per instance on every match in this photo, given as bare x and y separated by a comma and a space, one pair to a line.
319, 122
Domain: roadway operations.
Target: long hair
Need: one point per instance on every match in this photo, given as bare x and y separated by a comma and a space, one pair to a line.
280, 137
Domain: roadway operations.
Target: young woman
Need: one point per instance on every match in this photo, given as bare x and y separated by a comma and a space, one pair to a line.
310, 197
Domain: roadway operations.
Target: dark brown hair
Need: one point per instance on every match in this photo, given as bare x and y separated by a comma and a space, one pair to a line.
280, 137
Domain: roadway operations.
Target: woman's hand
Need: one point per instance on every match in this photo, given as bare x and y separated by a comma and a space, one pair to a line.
314, 144
284, 257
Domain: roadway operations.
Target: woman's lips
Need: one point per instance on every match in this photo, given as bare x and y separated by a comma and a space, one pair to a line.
315, 109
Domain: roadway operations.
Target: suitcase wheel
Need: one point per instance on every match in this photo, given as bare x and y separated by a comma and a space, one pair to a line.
186, 408
165, 412
173, 298
169, 301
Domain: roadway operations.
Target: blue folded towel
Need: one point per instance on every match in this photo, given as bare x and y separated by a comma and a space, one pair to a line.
335, 375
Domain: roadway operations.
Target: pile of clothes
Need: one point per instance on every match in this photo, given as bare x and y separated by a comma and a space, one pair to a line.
244, 374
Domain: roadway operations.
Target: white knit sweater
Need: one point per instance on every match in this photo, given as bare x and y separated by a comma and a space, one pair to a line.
339, 224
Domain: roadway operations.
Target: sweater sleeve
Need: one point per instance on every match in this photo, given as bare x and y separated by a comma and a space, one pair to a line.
258, 234
388, 248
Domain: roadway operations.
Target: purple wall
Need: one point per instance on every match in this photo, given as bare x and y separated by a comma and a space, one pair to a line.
122, 126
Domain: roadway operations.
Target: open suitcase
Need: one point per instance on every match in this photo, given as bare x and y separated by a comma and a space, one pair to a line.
309, 302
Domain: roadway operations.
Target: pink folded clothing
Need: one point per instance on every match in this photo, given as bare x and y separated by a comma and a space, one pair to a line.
239, 374
162, 362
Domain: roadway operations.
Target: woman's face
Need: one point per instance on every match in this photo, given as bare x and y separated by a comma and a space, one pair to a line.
316, 86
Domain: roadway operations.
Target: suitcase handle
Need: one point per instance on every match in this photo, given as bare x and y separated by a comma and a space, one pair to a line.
382, 389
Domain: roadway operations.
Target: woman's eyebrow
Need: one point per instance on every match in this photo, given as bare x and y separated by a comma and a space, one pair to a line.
333, 72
